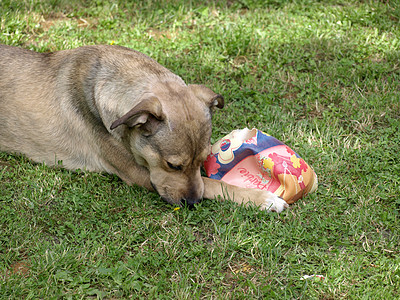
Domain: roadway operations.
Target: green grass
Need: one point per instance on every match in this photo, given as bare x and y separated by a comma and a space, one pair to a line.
321, 76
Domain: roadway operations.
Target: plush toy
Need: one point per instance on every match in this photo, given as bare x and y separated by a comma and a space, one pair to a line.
254, 159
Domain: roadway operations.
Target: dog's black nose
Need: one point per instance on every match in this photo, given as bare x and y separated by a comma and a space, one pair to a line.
190, 202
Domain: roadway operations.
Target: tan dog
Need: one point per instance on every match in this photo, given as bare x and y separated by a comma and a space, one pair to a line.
113, 109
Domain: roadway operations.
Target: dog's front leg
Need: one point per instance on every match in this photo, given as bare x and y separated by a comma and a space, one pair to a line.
119, 161
263, 199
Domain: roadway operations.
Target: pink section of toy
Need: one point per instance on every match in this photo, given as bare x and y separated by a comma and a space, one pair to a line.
276, 169
248, 174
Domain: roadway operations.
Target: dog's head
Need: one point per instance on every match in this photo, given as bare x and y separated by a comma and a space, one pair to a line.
168, 131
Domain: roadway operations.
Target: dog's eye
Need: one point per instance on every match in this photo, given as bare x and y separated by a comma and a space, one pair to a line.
174, 167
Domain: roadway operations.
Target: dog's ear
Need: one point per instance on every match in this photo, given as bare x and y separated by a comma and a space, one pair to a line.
208, 96
147, 115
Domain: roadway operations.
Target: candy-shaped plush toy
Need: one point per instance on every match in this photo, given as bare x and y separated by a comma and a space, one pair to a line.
254, 159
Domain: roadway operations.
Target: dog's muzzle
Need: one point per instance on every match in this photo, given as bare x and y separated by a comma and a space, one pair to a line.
185, 202
190, 202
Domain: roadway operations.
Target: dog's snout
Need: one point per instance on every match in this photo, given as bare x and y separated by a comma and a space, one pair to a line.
190, 202
181, 191
194, 196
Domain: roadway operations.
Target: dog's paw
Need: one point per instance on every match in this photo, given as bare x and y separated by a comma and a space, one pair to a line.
273, 203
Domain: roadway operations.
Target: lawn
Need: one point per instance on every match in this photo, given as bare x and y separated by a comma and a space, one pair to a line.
324, 77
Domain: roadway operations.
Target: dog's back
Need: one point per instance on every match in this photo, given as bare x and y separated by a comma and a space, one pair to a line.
43, 113
48, 108
23, 105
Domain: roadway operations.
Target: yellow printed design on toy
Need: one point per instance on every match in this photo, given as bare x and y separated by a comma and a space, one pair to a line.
254, 159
